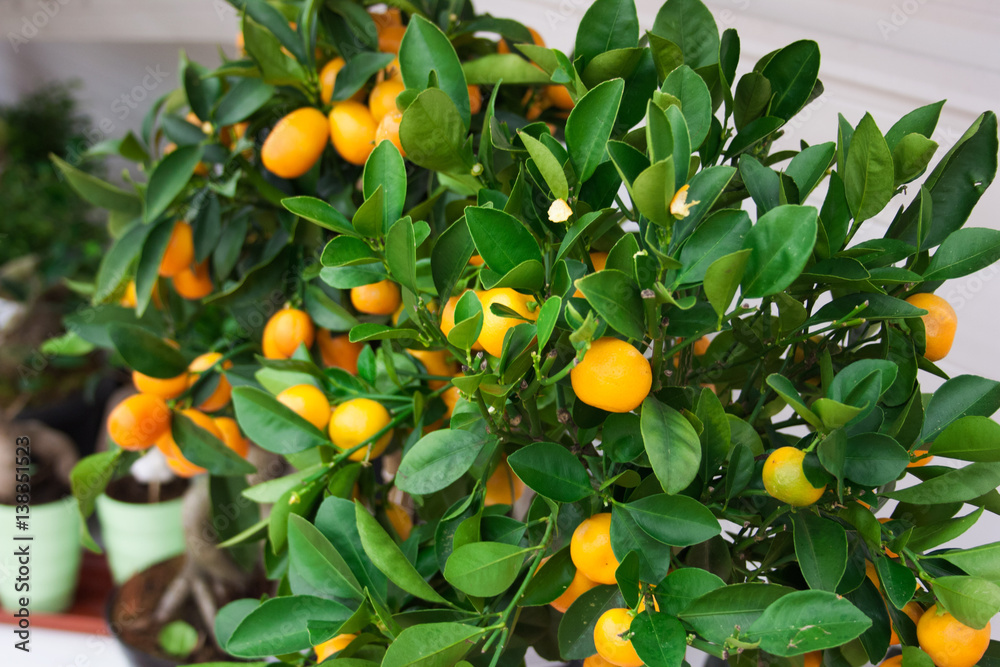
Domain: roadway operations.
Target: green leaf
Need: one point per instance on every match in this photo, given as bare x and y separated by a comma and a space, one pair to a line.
315, 565
921, 121
753, 94
763, 183
502, 241
169, 178
370, 219
705, 188
484, 569
653, 189
589, 126
576, 629
696, 102
548, 315
911, 156
367, 331
242, 100
97, 192
548, 165
784, 388
401, 253
437, 460
146, 352
982, 561
675, 520
272, 425
717, 614
444, 149
552, 471
873, 459
510, 68
450, 256
868, 173
806, 621
964, 251
335, 519
793, 73
360, 67
279, 625
809, 167
616, 298
385, 168
755, 132
426, 49
821, 549
690, 25
347, 251
780, 244
431, 645
972, 438
924, 538
682, 586
959, 397
959, 485
606, 25
672, 445
387, 557
722, 278
898, 581
319, 212
971, 600
658, 639
203, 449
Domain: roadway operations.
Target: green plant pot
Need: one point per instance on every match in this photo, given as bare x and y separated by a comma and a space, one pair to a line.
138, 535
53, 553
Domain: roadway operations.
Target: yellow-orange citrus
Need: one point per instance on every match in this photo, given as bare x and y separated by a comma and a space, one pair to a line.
915, 612
812, 659
232, 437
331, 646
137, 422
919, 463
390, 37
940, 323
352, 131
504, 47
894, 661
307, 402
382, 99
164, 388
475, 99
580, 585
785, 480
355, 421
611, 638
388, 130
949, 642
495, 327
223, 390
559, 97
612, 376
381, 298
328, 77
338, 351
179, 254
596, 661
400, 519
448, 318
590, 549
166, 444
285, 331
503, 487
437, 362
450, 397
193, 284
295, 143
599, 260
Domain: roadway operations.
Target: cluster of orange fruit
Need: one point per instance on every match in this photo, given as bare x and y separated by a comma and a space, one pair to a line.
190, 279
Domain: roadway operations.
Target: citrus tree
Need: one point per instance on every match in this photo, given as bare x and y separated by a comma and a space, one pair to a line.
608, 384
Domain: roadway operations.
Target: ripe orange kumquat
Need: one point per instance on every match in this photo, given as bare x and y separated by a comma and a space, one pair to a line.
597, 661
495, 327
920, 462
308, 402
179, 254
285, 331
450, 397
785, 480
223, 390
137, 422
352, 131
295, 143
382, 99
611, 638
168, 445
390, 37
812, 659
894, 661
940, 323
504, 47
559, 97
949, 642
590, 549
400, 519
475, 99
166, 388
338, 351
503, 487
599, 260
437, 362
357, 420
388, 130
232, 437
381, 298
328, 77
329, 647
580, 585
612, 376
193, 284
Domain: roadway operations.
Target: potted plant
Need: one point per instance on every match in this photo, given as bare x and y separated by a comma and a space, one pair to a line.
700, 470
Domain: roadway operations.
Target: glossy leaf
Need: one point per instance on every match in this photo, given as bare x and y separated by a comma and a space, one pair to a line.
426, 49
821, 549
672, 445
484, 569
551, 470
780, 244
806, 621
589, 126
675, 520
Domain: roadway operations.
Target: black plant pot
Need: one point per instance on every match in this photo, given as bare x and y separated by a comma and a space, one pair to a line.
75, 415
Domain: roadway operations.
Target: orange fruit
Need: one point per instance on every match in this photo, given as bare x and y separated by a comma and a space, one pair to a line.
503, 487
352, 131
949, 642
785, 480
329, 647
179, 254
559, 97
580, 585
295, 143
894, 661
223, 390
915, 612
612, 376
285, 331
437, 362
232, 437
495, 327
475, 99
391, 16
400, 519
382, 99
611, 638
919, 463
700, 346
388, 130
504, 47
355, 421
381, 298
940, 323
307, 402
138, 421
164, 388
450, 397
590, 549
599, 260
596, 661
448, 318
193, 284
130, 299
339, 351
328, 77
390, 37
477, 260
812, 659
166, 444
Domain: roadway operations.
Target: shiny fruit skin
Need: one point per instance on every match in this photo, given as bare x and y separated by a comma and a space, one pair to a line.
166, 444
355, 421
352, 131
597, 661
400, 519
580, 585
382, 99
920, 463
307, 402
285, 331
915, 612
504, 47
599, 260
390, 37
388, 130
590, 549
437, 362
608, 640
448, 318
138, 422
940, 323
503, 487
949, 642
495, 327
223, 390
812, 659
328, 77
894, 661
450, 397
331, 646
381, 298
785, 480
166, 389
295, 143
338, 351
559, 97
613, 376
232, 437
179, 254
475, 99
193, 284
